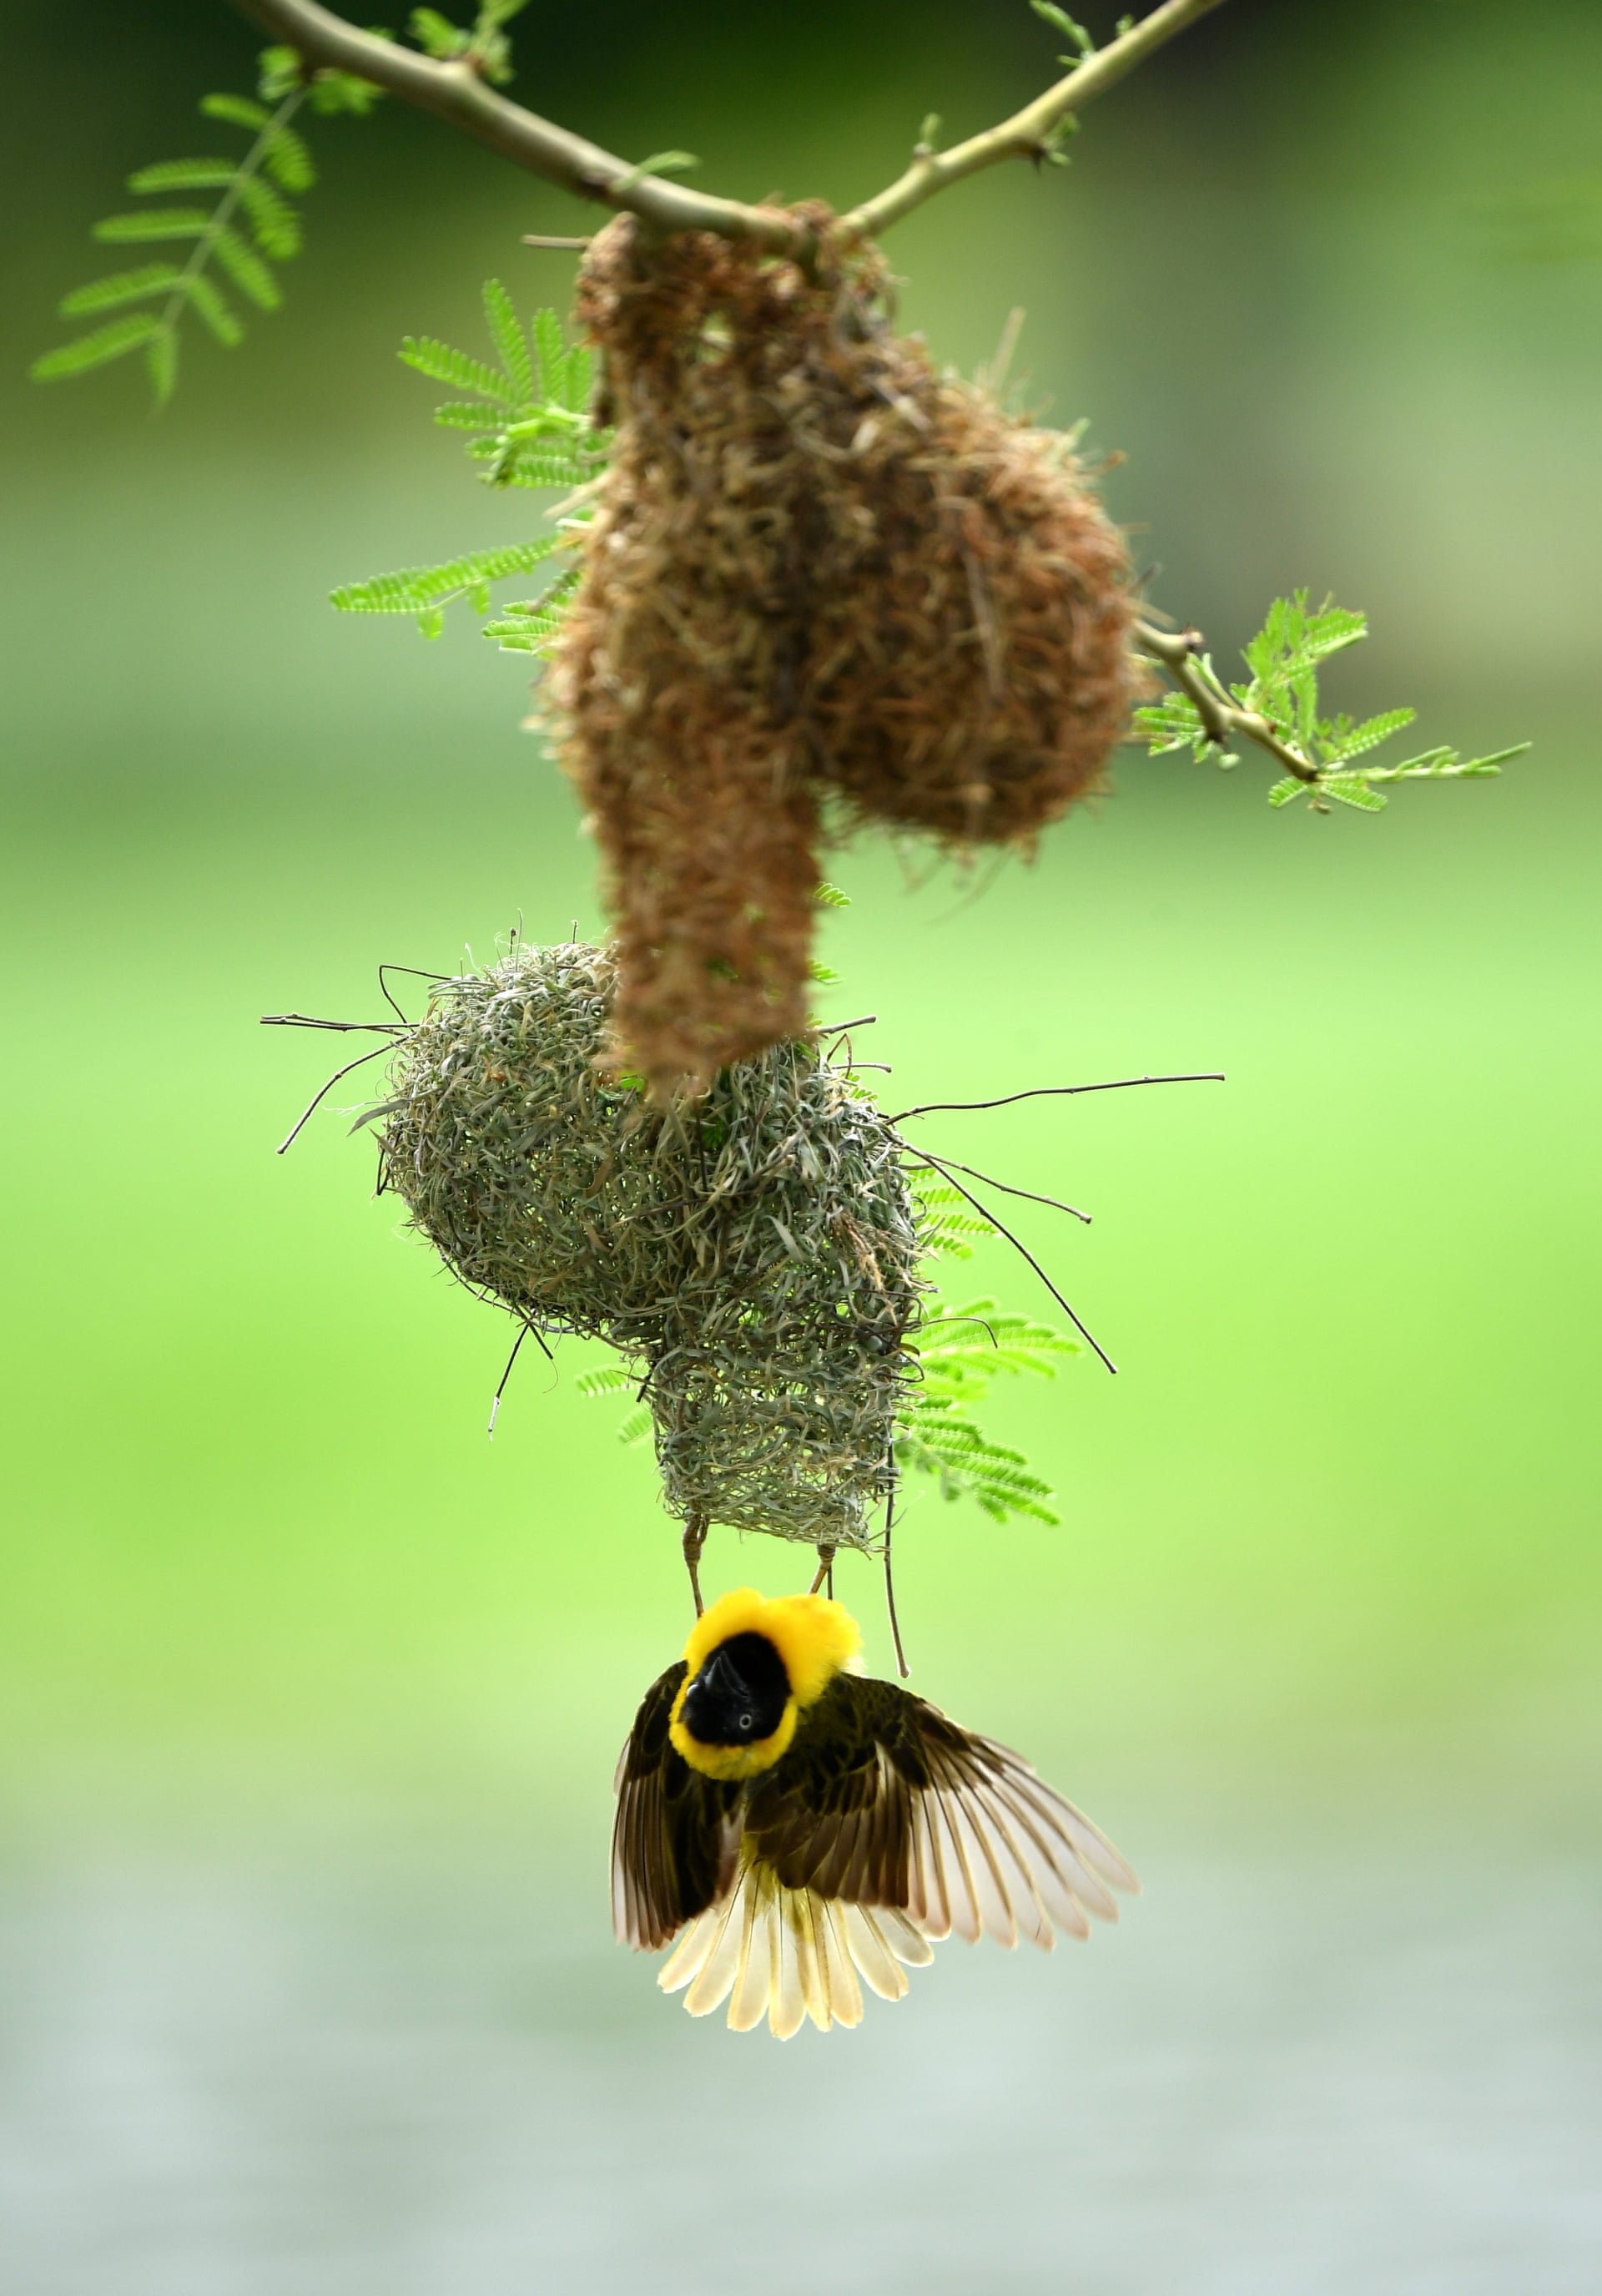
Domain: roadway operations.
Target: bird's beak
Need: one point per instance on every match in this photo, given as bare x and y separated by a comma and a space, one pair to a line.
720, 1677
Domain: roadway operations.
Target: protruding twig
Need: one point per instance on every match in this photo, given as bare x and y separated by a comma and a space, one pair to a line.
456, 93
1179, 655
825, 1575
1029, 133
695, 1538
417, 973
948, 1163
291, 1137
565, 245
506, 1374
985, 1212
1049, 1092
344, 1028
902, 1667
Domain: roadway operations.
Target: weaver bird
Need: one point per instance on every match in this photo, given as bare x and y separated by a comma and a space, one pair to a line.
803, 1831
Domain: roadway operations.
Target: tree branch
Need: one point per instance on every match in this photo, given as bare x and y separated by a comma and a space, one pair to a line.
454, 91
1177, 652
1027, 134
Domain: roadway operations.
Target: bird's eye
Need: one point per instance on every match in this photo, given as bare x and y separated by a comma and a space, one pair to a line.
746, 1722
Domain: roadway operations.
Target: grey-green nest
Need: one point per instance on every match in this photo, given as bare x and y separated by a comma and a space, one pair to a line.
753, 1251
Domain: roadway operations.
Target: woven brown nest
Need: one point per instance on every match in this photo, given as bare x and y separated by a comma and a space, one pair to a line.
752, 1252
818, 568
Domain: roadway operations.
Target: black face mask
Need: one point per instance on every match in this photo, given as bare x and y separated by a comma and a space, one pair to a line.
740, 1695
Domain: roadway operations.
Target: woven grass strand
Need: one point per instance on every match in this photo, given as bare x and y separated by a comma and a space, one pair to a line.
753, 1252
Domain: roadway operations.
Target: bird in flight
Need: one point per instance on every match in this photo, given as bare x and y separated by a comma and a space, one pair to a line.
802, 1830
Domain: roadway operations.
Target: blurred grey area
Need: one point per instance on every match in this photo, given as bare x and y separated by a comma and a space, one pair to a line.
1353, 2069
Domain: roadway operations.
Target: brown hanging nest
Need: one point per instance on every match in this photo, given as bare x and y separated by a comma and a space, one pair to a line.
817, 566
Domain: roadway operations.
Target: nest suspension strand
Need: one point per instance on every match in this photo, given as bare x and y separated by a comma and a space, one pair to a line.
753, 1251
819, 571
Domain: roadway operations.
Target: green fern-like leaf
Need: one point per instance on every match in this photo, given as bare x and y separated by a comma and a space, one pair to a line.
208, 299
239, 111
441, 363
933, 1439
529, 428
1445, 765
97, 350
273, 222
461, 415
245, 267
252, 226
605, 1378
424, 590
1354, 741
184, 176
1351, 789
161, 364
121, 287
436, 35
511, 344
1294, 639
948, 1225
635, 1425
151, 224
328, 91
957, 1353
1173, 723
1284, 660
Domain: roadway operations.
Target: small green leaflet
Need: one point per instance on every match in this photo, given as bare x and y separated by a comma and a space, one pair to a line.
249, 226
485, 49
528, 417
1281, 699
424, 591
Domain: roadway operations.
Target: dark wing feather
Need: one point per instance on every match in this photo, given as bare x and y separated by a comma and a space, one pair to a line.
881, 1801
675, 1837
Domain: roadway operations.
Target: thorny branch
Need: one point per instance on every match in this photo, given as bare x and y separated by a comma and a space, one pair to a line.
453, 91
1029, 134
1179, 654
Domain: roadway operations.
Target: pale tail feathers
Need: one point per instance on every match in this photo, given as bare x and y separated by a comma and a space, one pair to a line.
789, 1955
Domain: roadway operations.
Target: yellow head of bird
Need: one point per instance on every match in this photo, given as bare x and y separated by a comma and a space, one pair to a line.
752, 1665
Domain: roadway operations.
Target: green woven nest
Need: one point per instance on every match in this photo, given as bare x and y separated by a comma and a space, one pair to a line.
754, 1252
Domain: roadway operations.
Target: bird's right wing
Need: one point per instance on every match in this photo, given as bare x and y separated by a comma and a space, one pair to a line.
675, 1837
884, 1802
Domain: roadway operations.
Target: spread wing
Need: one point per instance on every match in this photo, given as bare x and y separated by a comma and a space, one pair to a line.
675, 1837
882, 1801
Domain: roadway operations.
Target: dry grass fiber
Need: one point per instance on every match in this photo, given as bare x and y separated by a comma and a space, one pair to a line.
752, 1252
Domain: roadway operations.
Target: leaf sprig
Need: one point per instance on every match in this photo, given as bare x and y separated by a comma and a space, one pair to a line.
484, 49
1278, 707
252, 226
960, 1351
528, 419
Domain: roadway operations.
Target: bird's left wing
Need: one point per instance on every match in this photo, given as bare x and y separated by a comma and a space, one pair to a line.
881, 1801
675, 1837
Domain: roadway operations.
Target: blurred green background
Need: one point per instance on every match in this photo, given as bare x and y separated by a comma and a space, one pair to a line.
1327, 1546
